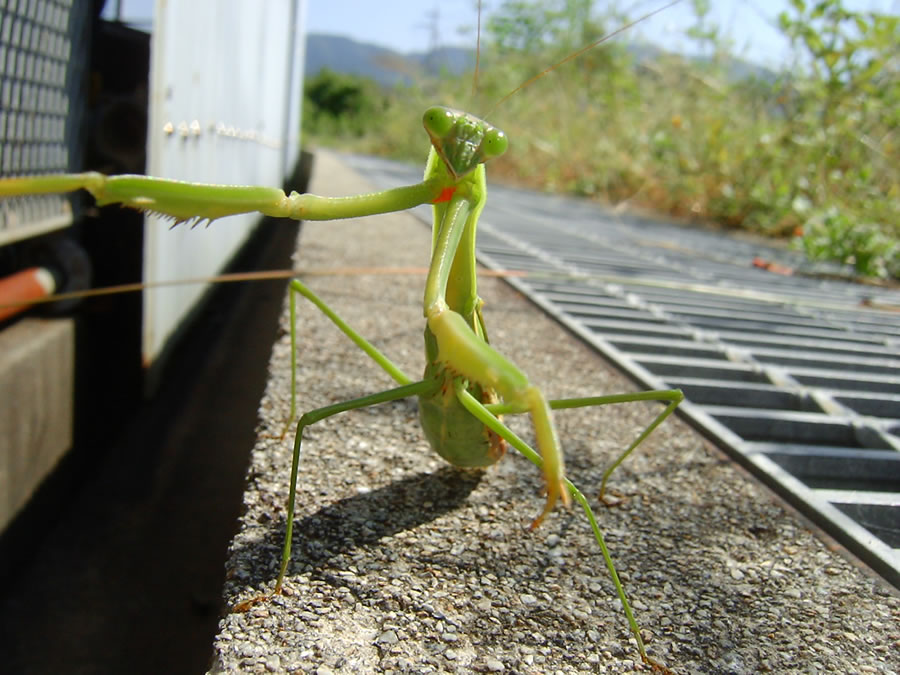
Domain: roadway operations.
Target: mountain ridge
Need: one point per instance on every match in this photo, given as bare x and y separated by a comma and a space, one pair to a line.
389, 67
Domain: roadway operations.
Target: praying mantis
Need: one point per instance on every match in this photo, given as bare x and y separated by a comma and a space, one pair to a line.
467, 385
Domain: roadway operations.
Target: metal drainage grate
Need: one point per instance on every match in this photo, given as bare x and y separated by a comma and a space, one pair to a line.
799, 377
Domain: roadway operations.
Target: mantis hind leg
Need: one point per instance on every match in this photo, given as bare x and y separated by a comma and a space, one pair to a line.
319, 414
407, 388
487, 415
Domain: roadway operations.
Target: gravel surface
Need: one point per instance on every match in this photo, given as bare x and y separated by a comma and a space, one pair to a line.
403, 564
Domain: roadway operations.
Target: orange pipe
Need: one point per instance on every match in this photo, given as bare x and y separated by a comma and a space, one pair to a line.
19, 290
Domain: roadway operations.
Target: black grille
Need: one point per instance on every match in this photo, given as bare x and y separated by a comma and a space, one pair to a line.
42, 61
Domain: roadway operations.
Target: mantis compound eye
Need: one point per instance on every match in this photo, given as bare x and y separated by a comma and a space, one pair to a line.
494, 144
438, 121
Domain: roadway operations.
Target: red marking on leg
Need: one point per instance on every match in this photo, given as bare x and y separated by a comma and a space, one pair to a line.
445, 195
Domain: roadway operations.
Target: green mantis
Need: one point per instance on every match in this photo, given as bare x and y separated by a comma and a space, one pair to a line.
467, 385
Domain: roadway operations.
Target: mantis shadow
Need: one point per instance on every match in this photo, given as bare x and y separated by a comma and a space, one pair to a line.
362, 520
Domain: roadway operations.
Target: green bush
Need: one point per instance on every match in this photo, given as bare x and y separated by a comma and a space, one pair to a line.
337, 105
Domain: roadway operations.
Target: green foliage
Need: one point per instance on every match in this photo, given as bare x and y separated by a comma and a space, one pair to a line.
338, 105
811, 153
842, 123
833, 234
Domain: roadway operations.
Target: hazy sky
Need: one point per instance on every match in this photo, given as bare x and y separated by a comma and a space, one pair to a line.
407, 25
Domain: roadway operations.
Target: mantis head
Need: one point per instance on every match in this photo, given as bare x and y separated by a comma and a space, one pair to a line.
462, 141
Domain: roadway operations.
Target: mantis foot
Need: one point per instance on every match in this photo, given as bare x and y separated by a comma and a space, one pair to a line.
657, 667
249, 604
246, 605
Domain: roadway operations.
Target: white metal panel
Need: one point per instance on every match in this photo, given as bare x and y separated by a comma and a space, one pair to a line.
225, 87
